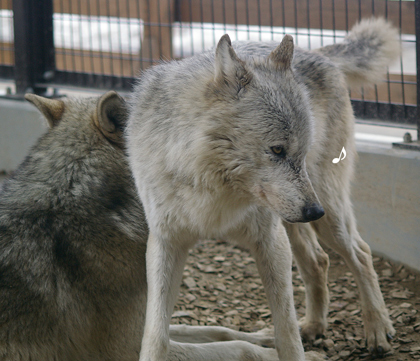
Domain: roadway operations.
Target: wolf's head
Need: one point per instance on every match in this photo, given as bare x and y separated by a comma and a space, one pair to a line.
262, 129
84, 146
105, 115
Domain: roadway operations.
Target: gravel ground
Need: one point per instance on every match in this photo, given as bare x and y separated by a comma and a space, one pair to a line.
221, 286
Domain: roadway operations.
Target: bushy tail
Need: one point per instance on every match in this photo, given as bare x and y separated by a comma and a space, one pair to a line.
365, 53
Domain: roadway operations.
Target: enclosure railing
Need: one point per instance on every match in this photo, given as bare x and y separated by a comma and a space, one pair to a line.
104, 44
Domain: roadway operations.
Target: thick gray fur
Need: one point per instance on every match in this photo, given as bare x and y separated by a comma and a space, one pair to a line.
201, 139
72, 245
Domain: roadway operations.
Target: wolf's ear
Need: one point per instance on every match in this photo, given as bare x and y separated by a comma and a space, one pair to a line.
227, 63
282, 56
111, 115
52, 109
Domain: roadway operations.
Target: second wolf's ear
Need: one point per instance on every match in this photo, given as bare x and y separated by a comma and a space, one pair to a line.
282, 56
111, 115
227, 64
52, 109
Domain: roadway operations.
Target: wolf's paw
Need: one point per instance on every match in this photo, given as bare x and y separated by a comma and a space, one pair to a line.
378, 335
314, 356
265, 337
310, 331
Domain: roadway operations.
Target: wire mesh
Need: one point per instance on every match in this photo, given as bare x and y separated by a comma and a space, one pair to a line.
119, 38
6, 38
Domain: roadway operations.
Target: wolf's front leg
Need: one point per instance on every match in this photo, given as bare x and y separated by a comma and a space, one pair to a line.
313, 265
274, 261
164, 263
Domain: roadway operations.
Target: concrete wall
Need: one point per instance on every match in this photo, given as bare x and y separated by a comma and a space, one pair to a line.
386, 191
20, 126
386, 198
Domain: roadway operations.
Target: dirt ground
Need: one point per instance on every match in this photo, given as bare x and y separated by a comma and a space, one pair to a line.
221, 286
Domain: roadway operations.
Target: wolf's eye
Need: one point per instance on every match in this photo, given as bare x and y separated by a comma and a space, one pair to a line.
277, 150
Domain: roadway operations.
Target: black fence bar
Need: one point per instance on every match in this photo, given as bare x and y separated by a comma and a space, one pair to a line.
7, 72
34, 44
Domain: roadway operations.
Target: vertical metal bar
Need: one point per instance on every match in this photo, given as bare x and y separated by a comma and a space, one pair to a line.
247, 20
417, 12
111, 48
347, 25
333, 21
150, 32
159, 26
321, 30
308, 24
271, 20
375, 86
73, 55
212, 22
34, 44
130, 24
401, 63
82, 48
347, 15
191, 28
283, 13
259, 19
387, 71
101, 53
224, 16
171, 19
89, 14
141, 32
296, 23
2, 56
202, 25
362, 91
236, 18
61, 12
118, 20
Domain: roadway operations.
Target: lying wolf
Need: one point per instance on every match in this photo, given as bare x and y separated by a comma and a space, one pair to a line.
72, 250
238, 144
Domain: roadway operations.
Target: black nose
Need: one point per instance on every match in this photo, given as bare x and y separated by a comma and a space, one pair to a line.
312, 212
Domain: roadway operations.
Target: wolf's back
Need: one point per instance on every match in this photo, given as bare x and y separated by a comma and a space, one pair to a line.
365, 53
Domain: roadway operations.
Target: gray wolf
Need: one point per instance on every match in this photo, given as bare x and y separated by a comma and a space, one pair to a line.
72, 250
238, 144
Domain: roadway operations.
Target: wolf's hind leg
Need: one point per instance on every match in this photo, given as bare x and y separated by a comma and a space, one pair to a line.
313, 265
338, 231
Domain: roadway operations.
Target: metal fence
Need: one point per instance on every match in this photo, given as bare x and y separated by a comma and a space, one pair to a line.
104, 44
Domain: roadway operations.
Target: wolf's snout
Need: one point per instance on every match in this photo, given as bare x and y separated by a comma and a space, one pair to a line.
312, 212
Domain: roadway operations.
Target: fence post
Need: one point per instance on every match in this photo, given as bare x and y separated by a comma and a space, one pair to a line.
34, 44
417, 11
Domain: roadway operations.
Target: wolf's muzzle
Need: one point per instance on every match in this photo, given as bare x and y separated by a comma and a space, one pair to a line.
312, 212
